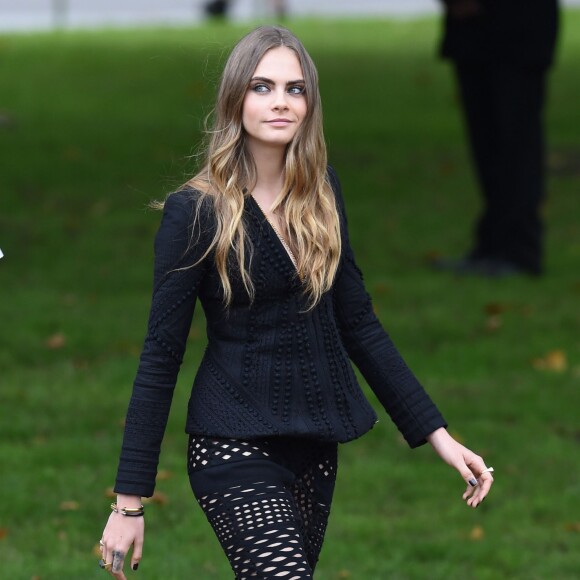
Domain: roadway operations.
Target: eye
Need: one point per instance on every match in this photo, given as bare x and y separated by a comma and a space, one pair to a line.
296, 90
260, 88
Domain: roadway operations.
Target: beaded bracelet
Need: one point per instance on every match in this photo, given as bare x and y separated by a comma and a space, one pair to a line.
130, 512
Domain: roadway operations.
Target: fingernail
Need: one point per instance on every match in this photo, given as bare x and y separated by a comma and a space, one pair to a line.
473, 482
135, 566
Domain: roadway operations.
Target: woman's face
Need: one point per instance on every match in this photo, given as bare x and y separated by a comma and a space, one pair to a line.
275, 103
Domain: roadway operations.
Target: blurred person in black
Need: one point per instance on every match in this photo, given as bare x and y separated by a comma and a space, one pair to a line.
501, 51
220, 8
217, 8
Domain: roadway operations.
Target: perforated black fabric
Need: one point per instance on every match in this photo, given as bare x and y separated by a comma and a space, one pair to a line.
272, 523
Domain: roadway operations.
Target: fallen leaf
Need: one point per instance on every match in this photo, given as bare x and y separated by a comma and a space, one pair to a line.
493, 323
209, 567
80, 364
432, 256
100, 208
7, 121
493, 308
164, 475
71, 153
381, 288
447, 168
423, 78
572, 527
110, 494
158, 498
554, 361
195, 88
69, 299
400, 439
57, 340
194, 333
69, 506
3, 533
564, 163
344, 574
476, 534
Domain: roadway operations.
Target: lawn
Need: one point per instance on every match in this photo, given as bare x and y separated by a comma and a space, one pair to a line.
94, 125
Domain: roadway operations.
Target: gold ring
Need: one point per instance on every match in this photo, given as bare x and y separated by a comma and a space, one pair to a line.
107, 565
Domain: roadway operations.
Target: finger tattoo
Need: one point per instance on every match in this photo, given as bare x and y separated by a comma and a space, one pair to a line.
118, 558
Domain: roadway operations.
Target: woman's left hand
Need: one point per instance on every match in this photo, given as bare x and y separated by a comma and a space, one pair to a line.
471, 466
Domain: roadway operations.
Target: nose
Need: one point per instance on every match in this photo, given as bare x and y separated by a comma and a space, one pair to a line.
279, 102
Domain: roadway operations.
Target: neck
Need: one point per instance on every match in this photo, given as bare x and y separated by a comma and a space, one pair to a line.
269, 173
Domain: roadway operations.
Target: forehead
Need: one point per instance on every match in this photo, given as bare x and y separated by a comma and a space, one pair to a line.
279, 62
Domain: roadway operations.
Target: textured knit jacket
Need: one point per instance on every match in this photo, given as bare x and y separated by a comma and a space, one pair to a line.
270, 368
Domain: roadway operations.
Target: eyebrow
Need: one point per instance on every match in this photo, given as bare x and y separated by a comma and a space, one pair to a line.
271, 82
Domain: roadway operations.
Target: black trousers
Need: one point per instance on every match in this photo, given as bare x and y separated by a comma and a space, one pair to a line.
268, 501
503, 106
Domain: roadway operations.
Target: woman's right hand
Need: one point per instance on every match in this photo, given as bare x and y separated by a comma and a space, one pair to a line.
120, 534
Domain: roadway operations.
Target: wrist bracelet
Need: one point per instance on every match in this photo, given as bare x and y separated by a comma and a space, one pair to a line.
130, 512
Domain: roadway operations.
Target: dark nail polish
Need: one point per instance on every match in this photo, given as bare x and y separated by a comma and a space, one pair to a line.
473, 482
135, 566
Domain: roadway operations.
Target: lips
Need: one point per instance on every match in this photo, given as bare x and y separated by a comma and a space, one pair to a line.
280, 121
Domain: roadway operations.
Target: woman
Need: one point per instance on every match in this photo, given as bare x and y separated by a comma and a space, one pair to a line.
260, 236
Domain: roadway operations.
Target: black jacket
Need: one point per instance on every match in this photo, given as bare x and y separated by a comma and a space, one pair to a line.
516, 32
269, 368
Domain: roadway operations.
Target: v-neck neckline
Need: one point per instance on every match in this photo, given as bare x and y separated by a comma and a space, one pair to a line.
273, 230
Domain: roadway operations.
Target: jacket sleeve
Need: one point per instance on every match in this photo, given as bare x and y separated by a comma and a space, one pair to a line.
373, 352
178, 246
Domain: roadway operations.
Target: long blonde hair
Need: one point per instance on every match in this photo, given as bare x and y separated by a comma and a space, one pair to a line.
306, 204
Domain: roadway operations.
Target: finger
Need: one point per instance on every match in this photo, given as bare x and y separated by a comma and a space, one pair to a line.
482, 491
117, 564
467, 472
137, 552
485, 483
474, 466
104, 554
471, 481
469, 491
472, 489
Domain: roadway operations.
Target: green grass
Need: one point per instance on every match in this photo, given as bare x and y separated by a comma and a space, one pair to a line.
98, 123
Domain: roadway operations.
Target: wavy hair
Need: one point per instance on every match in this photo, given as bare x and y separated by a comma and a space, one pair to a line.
306, 204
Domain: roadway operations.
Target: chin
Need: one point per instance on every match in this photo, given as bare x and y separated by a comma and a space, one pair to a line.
282, 142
